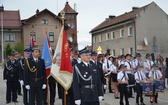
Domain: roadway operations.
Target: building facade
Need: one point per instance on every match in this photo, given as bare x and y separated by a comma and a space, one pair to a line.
10, 28
140, 30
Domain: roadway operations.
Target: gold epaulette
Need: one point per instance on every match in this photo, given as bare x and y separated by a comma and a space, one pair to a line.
31, 69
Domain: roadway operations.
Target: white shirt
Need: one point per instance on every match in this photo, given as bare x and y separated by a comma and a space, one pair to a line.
155, 74
121, 62
113, 68
128, 64
105, 64
136, 62
139, 75
120, 76
35, 59
148, 64
85, 63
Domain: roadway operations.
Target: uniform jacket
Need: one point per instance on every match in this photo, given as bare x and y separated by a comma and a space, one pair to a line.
11, 71
37, 78
83, 76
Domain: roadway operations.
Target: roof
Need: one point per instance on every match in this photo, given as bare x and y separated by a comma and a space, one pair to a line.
38, 13
119, 19
11, 19
68, 9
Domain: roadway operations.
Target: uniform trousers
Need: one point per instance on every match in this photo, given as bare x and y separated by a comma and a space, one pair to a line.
89, 103
52, 87
139, 93
25, 95
123, 92
35, 91
18, 88
11, 90
131, 82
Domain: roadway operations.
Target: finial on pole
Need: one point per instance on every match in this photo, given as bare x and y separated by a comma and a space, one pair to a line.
62, 16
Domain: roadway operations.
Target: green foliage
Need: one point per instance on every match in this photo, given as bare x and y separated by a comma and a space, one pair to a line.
8, 49
19, 47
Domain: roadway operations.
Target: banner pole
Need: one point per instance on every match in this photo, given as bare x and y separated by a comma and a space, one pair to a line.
65, 92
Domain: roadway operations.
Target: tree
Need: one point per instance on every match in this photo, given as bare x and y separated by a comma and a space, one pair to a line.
19, 47
8, 49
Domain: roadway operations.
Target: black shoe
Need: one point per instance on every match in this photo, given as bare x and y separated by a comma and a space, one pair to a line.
117, 98
7, 102
131, 97
151, 101
142, 104
15, 101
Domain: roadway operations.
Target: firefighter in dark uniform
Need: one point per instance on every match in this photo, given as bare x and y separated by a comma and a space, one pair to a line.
86, 81
52, 87
11, 77
35, 77
21, 75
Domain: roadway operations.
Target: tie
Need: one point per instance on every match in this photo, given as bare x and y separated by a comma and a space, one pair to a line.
95, 63
107, 64
138, 63
150, 64
141, 76
156, 75
36, 61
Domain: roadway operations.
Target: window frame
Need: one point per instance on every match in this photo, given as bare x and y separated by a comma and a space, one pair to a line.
130, 34
122, 33
49, 35
100, 38
34, 36
10, 34
112, 35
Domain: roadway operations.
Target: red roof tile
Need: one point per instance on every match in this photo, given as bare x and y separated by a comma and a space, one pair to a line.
119, 19
11, 20
68, 9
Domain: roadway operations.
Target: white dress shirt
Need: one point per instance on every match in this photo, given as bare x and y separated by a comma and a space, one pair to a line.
155, 74
105, 64
120, 76
139, 75
128, 64
148, 64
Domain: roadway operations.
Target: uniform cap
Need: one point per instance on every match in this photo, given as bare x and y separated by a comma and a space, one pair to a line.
84, 51
94, 53
27, 50
121, 66
35, 48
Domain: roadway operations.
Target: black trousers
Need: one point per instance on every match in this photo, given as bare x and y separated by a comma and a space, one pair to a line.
89, 103
131, 82
35, 91
44, 97
60, 91
123, 92
139, 93
11, 90
52, 87
18, 87
25, 96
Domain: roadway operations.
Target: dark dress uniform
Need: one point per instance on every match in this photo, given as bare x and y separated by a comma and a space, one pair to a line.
35, 77
18, 84
21, 77
11, 74
52, 86
87, 84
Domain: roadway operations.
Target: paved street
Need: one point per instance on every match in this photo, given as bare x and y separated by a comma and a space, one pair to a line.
109, 97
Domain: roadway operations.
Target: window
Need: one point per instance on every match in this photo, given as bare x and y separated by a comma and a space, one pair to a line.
44, 21
33, 35
112, 35
51, 36
121, 33
121, 51
113, 53
107, 36
9, 37
94, 39
130, 51
100, 38
130, 30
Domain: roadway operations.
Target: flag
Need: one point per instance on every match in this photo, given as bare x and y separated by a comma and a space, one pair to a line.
31, 45
46, 55
61, 68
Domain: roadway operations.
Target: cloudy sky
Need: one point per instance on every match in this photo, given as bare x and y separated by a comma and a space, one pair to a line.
91, 12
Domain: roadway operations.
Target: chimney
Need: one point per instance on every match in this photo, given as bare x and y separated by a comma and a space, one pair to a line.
37, 11
2, 8
111, 16
75, 7
134, 8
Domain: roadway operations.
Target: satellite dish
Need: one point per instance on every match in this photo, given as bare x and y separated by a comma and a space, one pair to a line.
145, 41
70, 39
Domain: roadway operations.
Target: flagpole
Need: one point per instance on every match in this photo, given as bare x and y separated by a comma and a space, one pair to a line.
62, 16
2, 46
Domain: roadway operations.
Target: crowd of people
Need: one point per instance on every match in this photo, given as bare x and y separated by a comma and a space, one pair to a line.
92, 74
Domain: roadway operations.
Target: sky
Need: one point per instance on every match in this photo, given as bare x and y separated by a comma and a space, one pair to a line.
90, 12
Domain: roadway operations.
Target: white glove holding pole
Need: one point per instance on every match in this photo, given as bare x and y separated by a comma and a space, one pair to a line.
105, 86
21, 82
27, 87
100, 98
44, 86
77, 102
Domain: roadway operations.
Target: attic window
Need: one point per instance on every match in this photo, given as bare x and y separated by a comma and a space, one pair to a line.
44, 21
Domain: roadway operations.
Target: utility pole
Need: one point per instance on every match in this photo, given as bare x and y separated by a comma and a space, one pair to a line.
2, 44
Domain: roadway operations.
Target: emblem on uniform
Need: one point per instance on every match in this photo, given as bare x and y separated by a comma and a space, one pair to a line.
84, 75
94, 70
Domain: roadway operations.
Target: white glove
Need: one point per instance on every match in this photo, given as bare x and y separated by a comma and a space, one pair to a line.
77, 102
5, 80
21, 82
105, 86
100, 98
44, 86
27, 87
